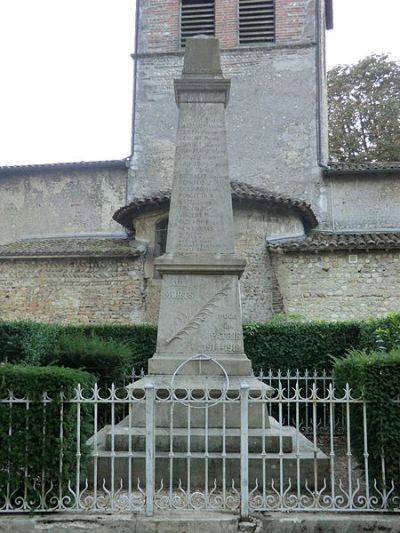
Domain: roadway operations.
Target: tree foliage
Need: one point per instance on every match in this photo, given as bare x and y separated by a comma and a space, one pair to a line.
364, 110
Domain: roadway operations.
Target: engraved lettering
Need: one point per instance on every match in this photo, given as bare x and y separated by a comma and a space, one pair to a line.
175, 294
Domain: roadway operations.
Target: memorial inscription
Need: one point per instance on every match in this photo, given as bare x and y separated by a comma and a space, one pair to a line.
200, 302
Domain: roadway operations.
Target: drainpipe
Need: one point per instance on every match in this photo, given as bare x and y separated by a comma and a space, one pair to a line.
135, 75
135, 71
318, 79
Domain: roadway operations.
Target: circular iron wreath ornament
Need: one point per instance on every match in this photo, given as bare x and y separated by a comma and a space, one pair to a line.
200, 357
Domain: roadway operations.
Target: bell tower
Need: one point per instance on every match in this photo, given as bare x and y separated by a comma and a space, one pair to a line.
274, 53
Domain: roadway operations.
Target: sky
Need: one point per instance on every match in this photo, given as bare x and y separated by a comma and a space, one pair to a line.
66, 72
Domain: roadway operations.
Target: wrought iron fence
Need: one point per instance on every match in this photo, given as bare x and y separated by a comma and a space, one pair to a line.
239, 450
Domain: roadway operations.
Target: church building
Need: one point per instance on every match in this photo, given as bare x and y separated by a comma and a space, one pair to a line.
321, 240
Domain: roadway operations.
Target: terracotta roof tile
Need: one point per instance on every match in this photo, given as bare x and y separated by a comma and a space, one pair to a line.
241, 193
319, 241
390, 167
71, 247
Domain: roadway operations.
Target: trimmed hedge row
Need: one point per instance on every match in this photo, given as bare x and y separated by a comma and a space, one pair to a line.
37, 344
275, 344
299, 345
140, 338
33, 452
109, 360
375, 376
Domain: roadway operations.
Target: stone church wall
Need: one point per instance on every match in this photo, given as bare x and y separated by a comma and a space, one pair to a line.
276, 118
271, 123
367, 202
259, 287
339, 285
72, 291
323, 286
48, 201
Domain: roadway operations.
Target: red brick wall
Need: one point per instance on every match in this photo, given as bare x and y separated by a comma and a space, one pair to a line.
160, 23
290, 18
226, 22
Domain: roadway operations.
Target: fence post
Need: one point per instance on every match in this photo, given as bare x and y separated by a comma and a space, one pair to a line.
244, 451
150, 448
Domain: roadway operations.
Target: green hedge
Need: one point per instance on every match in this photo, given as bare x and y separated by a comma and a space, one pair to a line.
141, 339
32, 450
108, 360
376, 377
299, 345
27, 342
276, 344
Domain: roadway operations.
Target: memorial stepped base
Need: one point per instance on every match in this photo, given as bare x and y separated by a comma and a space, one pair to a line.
207, 449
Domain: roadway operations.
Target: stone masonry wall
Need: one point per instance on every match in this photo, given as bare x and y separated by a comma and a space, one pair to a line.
271, 122
49, 202
75, 291
339, 285
259, 289
276, 122
323, 286
364, 202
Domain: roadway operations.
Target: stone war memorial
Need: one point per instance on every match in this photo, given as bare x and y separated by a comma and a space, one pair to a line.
200, 357
198, 441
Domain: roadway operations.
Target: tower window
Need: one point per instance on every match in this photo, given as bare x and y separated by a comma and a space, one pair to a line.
256, 21
197, 18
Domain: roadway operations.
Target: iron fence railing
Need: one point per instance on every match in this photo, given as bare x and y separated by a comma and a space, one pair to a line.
302, 446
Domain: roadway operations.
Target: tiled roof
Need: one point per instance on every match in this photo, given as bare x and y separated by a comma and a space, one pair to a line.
71, 247
319, 241
390, 167
119, 164
241, 193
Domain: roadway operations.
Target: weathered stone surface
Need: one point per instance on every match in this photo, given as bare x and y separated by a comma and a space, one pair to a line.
53, 200
329, 523
366, 202
76, 291
252, 224
204, 522
277, 127
275, 145
200, 303
166, 522
340, 285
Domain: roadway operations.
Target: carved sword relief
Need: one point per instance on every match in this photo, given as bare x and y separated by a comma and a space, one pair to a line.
202, 314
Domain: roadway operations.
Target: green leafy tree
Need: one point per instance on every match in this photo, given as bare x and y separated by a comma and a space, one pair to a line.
364, 111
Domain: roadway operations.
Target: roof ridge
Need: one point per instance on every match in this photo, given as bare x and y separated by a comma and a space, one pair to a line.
365, 167
239, 190
71, 247
75, 164
322, 240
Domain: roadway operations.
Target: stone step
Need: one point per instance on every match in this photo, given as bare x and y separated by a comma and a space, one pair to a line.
258, 441
213, 417
199, 414
309, 466
304, 462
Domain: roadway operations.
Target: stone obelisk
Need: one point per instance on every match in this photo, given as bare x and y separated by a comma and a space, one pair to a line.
200, 310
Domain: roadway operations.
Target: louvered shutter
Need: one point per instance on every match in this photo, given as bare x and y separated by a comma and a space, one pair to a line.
197, 18
256, 21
